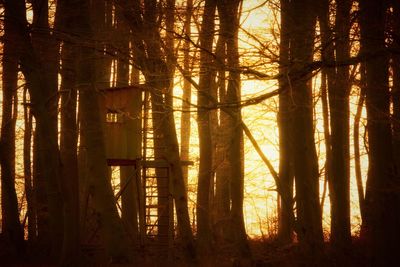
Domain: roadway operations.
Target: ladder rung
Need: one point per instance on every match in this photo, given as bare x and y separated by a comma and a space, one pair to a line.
158, 177
156, 215
155, 206
155, 226
151, 134
155, 196
155, 176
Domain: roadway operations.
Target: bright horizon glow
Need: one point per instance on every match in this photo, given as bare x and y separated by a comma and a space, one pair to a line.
260, 196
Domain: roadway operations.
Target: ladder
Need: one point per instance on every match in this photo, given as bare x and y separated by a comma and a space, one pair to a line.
156, 187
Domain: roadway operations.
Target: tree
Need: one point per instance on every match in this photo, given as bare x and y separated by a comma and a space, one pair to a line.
229, 19
337, 48
219, 120
204, 128
28, 185
187, 91
133, 150
308, 223
42, 89
69, 134
339, 109
396, 81
380, 227
46, 48
11, 227
286, 215
92, 136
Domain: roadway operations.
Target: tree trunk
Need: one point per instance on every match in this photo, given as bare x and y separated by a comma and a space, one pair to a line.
222, 198
187, 92
47, 52
39, 194
127, 173
229, 17
308, 225
170, 49
327, 136
11, 227
101, 15
69, 137
356, 136
134, 130
396, 82
204, 129
42, 84
68, 151
340, 133
338, 90
92, 134
286, 214
30, 197
380, 228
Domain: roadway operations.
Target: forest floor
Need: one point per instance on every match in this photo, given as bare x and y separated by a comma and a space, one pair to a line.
264, 253
267, 253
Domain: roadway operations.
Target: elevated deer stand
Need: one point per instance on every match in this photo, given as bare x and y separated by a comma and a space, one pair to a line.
130, 142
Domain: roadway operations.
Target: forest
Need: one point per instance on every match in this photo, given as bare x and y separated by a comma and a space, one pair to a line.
200, 133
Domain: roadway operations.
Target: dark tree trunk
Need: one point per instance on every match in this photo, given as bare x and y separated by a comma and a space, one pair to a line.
338, 91
30, 197
134, 133
39, 193
42, 84
356, 136
11, 227
169, 49
46, 49
68, 151
229, 17
340, 132
92, 134
222, 199
308, 225
127, 173
204, 128
101, 15
380, 227
69, 136
327, 136
396, 81
286, 214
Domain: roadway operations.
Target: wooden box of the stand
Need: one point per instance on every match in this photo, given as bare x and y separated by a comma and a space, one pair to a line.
121, 111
